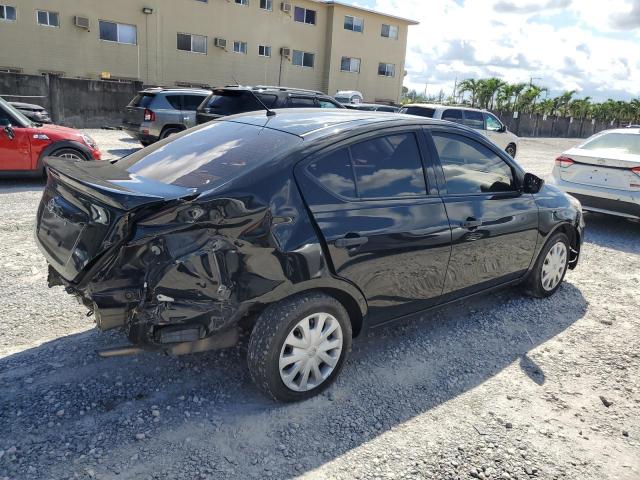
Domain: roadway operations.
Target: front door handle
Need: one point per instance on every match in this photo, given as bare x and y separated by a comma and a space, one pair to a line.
471, 223
350, 242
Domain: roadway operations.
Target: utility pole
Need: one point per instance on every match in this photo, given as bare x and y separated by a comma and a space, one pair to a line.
455, 88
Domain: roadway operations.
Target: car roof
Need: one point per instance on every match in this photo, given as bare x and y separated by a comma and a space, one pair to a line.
183, 90
318, 123
626, 130
270, 89
26, 105
437, 106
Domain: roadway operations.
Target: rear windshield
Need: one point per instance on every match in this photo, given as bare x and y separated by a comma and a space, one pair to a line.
230, 103
623, 143
142, 100
420, 111
208, 157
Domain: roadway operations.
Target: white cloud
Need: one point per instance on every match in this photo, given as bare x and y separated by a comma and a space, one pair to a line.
588, 45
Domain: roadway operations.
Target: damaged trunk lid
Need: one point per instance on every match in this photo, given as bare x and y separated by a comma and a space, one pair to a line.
86, 209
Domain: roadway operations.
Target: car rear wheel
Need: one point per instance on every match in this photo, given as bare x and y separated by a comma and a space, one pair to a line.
511, 150
298, 346
550, 267
69, 153
167, 132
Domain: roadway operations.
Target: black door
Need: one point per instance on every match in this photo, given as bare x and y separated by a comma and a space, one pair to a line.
493, 225
385, 232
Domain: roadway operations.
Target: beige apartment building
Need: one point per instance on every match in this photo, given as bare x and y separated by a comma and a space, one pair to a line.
319, 45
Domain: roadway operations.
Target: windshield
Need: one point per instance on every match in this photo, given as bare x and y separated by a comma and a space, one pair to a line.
615, 143
208, 157
11, 110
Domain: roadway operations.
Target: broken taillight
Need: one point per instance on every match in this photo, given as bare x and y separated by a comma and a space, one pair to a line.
149, 115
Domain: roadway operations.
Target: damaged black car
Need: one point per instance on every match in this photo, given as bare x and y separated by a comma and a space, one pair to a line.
301, 228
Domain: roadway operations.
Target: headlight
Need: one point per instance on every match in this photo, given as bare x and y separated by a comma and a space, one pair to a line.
89, 141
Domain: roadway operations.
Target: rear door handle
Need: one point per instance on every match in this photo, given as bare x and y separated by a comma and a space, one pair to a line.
349, 242
471, 223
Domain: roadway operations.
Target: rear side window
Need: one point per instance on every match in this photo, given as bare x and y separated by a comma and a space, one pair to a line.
208, 157
470, 167
474, 119
191, 102
619, 143
383, 167
419, 111
452, 115
231, 103
142, 100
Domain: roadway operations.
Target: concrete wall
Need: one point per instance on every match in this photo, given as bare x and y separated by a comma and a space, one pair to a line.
155, 59
72, 102
534, 125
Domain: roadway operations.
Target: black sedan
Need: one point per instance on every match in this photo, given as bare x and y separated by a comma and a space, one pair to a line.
305, 229
33, 112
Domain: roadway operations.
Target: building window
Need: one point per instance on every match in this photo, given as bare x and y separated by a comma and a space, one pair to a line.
243, 2
192, 43
7, 13
389, 31
349, 64
118, 32
47, 19
303, 59
387, 69
264, 50
240, 47
355, 24
304, 15
266, 5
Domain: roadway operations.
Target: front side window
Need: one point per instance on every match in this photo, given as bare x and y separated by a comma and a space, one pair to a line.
387, 69
470, 167
303, 59
452, 115
349, 64
192, 43
389, 31
266, 5
388, 167
264, 50
355, 24
192, 102
493, 123
7, 13
118, 32
240, 47
302, 102
474, 119
326, 104
48, 19
304, 15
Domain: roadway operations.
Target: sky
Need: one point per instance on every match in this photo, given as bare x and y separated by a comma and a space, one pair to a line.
592, 46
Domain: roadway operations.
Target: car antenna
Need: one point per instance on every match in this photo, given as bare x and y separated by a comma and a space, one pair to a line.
270, 113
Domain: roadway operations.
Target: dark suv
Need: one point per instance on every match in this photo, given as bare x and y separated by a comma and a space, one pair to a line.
156, 113
303, 228
232, 100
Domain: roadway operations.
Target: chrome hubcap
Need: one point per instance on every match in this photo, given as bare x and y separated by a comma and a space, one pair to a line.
310, 352
554, 266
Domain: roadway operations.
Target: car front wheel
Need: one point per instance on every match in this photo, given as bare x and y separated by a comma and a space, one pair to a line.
511, 150
298, 346
550, 267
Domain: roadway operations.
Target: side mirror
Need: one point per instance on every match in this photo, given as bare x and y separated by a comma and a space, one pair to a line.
8, 131
531, 183
502, 129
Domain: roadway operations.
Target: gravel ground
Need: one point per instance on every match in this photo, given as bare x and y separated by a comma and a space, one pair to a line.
499, 387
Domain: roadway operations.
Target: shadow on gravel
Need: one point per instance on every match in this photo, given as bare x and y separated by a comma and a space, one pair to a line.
66, 411
16, 185
613, 232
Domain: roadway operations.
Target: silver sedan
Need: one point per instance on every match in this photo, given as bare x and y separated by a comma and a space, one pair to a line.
603, 172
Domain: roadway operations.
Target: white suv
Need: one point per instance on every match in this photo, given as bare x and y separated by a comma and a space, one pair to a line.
481, 120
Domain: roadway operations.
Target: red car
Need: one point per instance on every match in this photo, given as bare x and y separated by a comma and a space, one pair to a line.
24, 144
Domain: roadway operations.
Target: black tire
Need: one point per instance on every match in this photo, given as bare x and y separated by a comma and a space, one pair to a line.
167, 132
511, 150
71, 153
534, 283
270, 332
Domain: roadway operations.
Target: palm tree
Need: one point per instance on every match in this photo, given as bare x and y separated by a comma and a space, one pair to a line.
488, 90
472, 86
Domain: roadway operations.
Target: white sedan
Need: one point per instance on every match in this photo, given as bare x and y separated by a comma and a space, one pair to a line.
603, 172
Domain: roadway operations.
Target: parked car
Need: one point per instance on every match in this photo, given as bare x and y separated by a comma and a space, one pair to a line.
372, 107
236, 99
35, 113
305, 228
157, 113
603, 172
24, 144
349, 96
482, 120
